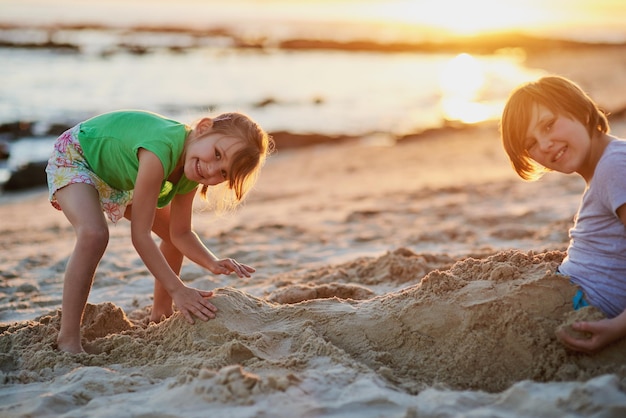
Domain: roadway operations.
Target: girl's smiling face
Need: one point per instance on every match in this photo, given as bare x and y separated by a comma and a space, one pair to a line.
208, 156
558, 142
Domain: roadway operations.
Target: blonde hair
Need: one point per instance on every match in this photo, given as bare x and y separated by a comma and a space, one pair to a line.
246, 162
562, 97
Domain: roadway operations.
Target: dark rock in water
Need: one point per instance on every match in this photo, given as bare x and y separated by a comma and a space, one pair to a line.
29, 175
14, 130
56, 129
4, 150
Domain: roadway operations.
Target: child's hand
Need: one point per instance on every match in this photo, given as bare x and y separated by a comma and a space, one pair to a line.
228, 265
192, 302
601, 334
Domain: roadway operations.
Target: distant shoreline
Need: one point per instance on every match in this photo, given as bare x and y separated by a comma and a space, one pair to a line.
229, 38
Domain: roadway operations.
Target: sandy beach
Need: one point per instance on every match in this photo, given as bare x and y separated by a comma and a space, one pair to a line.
394, 279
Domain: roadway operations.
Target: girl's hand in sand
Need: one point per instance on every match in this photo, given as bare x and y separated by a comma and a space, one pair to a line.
228, 266
602, 333
193, 302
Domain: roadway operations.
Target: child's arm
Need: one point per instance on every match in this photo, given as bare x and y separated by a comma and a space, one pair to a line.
188, 243
603, 332
147, 187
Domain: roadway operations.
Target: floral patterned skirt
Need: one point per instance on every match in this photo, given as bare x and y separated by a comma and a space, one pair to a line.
67, 165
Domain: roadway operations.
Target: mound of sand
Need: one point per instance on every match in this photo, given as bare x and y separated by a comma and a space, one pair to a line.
482, 324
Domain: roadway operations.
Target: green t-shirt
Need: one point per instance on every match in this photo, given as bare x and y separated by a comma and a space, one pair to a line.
111, 141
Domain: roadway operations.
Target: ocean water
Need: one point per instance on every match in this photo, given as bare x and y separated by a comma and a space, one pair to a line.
301, 91
184, 75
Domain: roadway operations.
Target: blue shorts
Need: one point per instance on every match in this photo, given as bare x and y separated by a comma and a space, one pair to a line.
578, 301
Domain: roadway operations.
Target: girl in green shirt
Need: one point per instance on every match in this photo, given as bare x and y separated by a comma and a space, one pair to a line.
147, 168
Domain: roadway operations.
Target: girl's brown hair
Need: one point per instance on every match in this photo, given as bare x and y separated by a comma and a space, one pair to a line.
246, 162
562, 97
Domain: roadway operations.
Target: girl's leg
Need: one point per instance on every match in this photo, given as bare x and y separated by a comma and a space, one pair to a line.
162, 306
81, 206
162, 303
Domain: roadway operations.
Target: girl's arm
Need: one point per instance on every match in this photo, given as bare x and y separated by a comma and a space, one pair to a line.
603, 332
188, 242
147, 187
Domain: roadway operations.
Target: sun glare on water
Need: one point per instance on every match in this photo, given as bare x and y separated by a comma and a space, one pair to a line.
460, 82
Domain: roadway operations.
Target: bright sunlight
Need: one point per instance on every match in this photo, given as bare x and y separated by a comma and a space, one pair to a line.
461, 16
460, 82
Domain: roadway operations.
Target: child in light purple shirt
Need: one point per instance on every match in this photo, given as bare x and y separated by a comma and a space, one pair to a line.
553, 125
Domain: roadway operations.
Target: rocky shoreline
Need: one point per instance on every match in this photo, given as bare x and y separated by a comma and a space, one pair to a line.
179, 39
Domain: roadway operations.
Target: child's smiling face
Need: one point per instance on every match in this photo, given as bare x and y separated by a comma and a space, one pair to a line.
208, 158
557, 142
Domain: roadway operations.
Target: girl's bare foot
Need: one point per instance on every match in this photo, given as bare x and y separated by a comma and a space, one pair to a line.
69, 345
72, 349
159, 315
156, 318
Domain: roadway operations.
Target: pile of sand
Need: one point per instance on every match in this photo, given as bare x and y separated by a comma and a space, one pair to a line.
480, 324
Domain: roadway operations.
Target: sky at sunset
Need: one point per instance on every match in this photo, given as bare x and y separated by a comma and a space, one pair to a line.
476, 15
601, 19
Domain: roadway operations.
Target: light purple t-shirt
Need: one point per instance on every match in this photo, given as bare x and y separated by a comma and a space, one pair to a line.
596, 257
